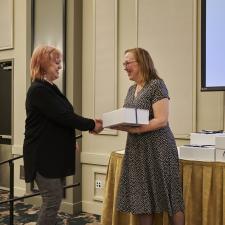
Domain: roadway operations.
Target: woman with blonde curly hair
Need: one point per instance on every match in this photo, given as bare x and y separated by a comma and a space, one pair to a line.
49, 144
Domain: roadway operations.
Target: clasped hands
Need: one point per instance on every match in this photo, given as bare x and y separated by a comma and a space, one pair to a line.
98, 126
130, 129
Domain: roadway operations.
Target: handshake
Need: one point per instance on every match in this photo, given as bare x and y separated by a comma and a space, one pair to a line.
98, 126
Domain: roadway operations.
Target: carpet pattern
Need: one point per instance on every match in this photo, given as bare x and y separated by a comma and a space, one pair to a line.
26, 214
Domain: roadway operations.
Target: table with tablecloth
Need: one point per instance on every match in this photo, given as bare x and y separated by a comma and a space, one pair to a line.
203, 190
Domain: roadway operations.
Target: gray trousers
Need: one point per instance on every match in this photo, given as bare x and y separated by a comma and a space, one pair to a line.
50, 201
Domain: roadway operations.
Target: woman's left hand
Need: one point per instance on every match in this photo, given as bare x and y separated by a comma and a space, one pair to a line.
129, 129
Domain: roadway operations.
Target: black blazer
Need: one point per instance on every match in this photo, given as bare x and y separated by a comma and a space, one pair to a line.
49, 143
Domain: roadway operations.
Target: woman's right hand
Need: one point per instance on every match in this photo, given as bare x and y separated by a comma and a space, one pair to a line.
98, 126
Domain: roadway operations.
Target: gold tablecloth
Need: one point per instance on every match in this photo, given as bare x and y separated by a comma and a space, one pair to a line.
203, 190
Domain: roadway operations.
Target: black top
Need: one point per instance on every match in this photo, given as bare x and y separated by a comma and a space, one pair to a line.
49, 144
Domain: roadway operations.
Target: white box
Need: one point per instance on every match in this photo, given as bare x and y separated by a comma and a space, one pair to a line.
220, 149
220, 155
204, 139
220, 142
206, 154
125, 116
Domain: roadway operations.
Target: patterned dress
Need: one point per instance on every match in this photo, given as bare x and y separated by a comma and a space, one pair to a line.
150, 179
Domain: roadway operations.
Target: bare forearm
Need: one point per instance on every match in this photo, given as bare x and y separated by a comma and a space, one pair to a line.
154, 124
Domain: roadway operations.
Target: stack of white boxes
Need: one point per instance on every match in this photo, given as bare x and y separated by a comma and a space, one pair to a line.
202, 147
220, 149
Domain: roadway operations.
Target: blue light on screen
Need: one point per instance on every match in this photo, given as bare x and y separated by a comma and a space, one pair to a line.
215, 43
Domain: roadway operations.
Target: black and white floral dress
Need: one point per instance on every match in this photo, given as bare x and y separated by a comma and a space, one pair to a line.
150, 179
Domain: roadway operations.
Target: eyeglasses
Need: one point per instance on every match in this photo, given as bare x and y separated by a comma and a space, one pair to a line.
125, 64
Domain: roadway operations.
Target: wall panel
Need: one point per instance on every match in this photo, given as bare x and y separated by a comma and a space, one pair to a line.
105, 56
167, 30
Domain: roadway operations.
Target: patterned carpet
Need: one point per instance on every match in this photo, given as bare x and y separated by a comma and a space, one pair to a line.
26, 214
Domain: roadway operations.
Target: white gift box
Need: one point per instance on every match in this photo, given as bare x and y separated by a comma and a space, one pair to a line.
220, 155
197, 153
125, 116
220, 149
220, 142
204, 139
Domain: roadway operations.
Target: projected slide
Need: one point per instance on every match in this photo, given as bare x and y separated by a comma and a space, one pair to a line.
215, 43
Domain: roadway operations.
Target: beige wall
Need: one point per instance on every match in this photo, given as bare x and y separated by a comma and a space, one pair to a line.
169, 30
20, 55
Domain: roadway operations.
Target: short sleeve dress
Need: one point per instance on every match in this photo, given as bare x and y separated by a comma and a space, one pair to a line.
150, 179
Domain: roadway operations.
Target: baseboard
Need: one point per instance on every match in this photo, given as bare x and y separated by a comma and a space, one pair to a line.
71, 208
4, 188
67, 207
19, 191
92, 207
95, 159
17, 150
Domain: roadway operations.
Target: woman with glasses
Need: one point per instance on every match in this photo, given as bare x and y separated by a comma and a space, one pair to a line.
150, 180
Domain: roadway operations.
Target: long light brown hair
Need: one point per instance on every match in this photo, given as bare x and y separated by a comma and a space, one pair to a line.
40, 60
145, 62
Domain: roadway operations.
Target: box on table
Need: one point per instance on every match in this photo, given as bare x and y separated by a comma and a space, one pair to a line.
125, 116
204, 139
220, 149
220, 142
220, 155
197, 153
